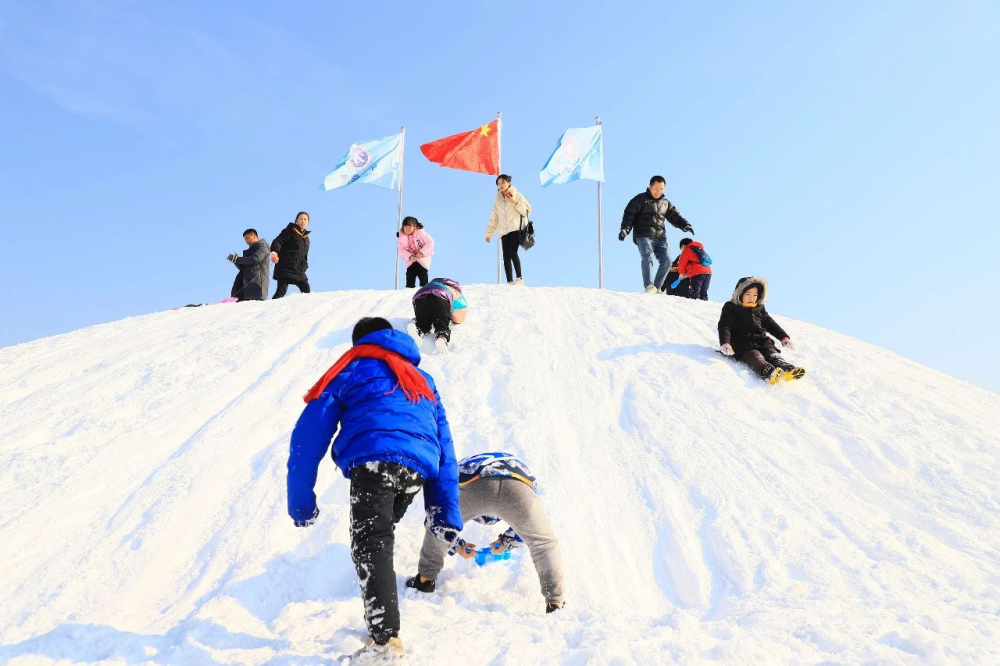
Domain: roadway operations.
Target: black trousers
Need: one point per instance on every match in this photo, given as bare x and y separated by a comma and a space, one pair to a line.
509, 245
414, 272
764, 361
432, 312
699, 286
302, 284
380, 494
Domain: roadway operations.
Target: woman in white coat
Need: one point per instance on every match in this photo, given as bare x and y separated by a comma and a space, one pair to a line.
505, 221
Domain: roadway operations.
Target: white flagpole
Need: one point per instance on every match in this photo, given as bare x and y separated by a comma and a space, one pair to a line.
399, 208
500, 169
600, 222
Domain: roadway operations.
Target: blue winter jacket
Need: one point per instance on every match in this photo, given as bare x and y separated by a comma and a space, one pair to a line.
377, 423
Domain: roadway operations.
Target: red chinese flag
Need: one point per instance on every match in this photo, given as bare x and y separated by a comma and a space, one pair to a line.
478, 150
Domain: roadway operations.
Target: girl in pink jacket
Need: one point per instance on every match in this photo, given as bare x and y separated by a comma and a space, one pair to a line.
416, 248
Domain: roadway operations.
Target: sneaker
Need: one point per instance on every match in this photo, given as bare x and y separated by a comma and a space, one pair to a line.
775, 376
793, 374
373, 653
421, 584
518, 282
651, 289
553, 606
441, 343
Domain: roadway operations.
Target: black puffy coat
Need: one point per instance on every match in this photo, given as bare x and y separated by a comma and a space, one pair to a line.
292, 247
647, 216
252, 281
747, 328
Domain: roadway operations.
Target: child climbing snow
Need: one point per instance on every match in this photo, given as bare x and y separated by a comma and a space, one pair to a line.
495, 487
743, 332
394, 440
416, 247
437, 306
694, 265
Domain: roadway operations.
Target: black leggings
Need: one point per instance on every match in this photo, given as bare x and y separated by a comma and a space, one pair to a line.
414, 272
302, 284
509, 243
380, 495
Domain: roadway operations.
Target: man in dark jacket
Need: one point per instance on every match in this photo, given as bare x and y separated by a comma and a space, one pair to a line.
252, 280
644, 217
290, 253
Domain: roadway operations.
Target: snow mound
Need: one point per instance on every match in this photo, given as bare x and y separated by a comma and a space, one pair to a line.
703, 515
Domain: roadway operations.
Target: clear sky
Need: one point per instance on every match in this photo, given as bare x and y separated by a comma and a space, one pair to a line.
847, 151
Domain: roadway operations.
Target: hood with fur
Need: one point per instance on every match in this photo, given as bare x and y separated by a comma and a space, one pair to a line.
747, 282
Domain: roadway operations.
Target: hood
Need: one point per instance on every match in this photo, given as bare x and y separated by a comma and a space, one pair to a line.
746, 283
698, 245
259, 241
395, 341
294, 227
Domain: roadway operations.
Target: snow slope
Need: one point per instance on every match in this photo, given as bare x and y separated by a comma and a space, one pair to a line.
704, 516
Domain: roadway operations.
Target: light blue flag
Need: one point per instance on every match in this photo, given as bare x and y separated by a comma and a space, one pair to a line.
579, 154
376, 162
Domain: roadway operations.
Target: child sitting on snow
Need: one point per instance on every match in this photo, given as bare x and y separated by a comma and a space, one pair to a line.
394, 440
437, 306
743, 332
495, 487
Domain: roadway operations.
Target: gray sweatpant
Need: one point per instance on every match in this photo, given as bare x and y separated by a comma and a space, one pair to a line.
515, 503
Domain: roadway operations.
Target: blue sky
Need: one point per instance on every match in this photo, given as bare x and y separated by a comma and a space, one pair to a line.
847, 151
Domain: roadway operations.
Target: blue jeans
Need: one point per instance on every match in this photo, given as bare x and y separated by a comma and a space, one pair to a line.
648, 248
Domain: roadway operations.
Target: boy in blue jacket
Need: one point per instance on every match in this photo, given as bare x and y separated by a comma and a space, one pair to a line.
394, 440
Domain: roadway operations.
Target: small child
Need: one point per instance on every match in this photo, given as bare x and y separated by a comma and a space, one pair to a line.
743, 328
495, 487
674, 284
439, 305
394, 440
416, 247
690, 266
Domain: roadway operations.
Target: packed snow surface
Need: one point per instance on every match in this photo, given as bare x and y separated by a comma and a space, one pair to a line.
703, 515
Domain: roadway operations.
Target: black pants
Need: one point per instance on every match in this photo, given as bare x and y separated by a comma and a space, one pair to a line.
380, 494
302, 284
764, 361
699, 286
432, 312
414, 272
509, 244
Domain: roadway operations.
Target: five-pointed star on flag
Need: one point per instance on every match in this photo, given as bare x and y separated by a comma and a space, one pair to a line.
484, 130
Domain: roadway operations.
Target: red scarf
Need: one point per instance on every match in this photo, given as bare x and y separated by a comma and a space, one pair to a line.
407, 376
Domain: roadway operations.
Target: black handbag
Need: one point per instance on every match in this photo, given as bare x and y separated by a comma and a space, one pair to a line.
526, 234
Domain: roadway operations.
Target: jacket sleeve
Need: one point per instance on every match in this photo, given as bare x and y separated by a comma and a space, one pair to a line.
278, 242
631, 210
726, 324
771, 326
310, 442
259, 254
491, 225
684, 261
444, 516
428, 249
402, 247
522, 206
675, 218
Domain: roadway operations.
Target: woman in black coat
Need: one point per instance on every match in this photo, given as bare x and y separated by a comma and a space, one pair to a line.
290, 254
743, 333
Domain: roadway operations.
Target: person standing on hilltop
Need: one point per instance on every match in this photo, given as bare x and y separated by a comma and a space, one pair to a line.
415, 247
509, 207
645, 217
252, 279
290, 254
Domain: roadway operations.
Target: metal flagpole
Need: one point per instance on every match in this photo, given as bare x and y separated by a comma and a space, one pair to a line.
499, 171
600, 222
399, 208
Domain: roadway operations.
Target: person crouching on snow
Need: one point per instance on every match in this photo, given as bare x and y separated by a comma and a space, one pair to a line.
495, 487
437, 306
394, 440
743, 332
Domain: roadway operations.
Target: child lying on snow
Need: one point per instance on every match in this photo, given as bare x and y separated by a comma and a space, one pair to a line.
394, 440
743, 328
495, 487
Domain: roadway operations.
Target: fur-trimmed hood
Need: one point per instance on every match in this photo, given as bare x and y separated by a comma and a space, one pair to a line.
747, 282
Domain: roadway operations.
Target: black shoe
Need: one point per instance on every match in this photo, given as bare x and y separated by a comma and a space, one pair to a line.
553, 606
420, 584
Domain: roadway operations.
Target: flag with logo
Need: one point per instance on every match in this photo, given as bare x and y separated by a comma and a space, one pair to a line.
578, 154
376, 162
477, 150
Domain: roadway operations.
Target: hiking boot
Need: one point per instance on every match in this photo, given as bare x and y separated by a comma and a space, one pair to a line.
553, 606
793, 374
775, 376
651, 289
373, 653
421, 584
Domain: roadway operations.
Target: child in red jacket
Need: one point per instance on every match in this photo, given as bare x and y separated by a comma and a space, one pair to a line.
689, 265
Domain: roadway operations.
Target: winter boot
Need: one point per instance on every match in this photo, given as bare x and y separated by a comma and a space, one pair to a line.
441, 342
774, 376
421, 584
552, 606
651, 289
793, 374
373, 653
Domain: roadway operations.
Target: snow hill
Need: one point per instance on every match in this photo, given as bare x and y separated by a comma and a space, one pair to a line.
704, 516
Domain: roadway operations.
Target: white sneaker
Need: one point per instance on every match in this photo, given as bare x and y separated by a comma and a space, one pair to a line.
440, 345
391, 652
519, 282
651, 289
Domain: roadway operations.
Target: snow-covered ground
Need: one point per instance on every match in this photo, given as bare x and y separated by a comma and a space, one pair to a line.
704, 516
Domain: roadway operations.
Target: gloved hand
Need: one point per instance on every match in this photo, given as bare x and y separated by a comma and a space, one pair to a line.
622, 234
727, 349
688, 229
308, 521
786, 342
232, 257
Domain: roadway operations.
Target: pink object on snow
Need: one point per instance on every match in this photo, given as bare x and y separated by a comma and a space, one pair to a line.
418, 242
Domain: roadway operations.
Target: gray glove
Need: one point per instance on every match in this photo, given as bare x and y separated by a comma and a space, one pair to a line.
232, 257
622, 234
